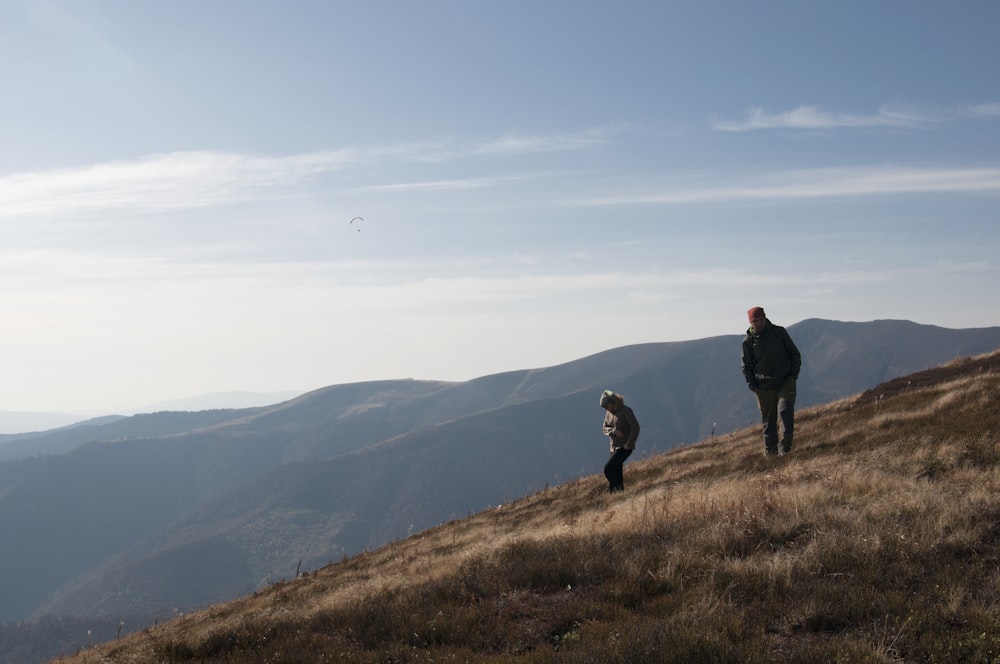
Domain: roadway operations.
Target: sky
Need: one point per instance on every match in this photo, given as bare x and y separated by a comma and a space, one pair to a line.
536, 181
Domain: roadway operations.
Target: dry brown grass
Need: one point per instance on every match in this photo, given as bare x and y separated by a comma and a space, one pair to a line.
877, 540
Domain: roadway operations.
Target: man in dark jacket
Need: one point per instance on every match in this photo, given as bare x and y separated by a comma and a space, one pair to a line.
771, 365
622, 429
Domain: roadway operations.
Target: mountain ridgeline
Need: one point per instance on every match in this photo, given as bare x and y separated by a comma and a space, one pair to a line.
876, 540
153, 514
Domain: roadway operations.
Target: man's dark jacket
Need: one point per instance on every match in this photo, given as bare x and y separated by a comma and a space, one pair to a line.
769, 358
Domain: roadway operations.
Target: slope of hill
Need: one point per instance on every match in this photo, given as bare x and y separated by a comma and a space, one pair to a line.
350, 468
876, 540
169, 511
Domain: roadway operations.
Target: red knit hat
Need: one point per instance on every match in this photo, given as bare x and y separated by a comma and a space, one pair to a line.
755, 312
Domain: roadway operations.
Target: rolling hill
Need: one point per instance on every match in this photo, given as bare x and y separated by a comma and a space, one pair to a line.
876, 540
164, 512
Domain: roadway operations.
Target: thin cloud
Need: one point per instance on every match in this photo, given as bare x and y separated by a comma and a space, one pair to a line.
462, 184
822, 183
165, 181
512, 144
814, 117
192, 179
515, 144
991, 110
437, 185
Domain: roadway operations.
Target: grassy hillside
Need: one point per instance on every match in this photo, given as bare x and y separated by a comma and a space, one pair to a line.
120, 522
877, 540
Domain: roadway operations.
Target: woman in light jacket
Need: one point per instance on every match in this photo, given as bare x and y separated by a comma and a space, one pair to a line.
622, 429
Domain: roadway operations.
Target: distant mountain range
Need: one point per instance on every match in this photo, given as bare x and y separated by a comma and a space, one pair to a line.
876, 541
165, 511
16, 422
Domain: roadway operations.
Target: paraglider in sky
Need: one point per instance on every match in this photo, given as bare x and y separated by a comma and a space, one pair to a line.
351, 222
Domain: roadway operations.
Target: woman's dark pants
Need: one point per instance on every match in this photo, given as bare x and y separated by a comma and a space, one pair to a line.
613, 470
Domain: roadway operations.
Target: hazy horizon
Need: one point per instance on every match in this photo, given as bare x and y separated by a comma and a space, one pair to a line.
14, 422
